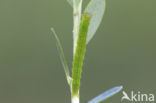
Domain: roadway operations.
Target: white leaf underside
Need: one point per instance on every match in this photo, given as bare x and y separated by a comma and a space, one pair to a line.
96, 9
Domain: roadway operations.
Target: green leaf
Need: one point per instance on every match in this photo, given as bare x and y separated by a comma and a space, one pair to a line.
62, 57
79, 54
106, 95
96, 9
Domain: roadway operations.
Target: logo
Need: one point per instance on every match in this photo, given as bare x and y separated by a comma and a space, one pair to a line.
137, 97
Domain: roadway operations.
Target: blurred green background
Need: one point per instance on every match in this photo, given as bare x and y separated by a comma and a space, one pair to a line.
123, 51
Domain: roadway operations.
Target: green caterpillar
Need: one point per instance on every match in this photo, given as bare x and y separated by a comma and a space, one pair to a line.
79, 53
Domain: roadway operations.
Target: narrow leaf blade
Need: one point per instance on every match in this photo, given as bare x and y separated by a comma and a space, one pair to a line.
62, 57
106, 95
96, 9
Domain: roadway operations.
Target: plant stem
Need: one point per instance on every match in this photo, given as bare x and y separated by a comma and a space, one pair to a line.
77, 8
75, 99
